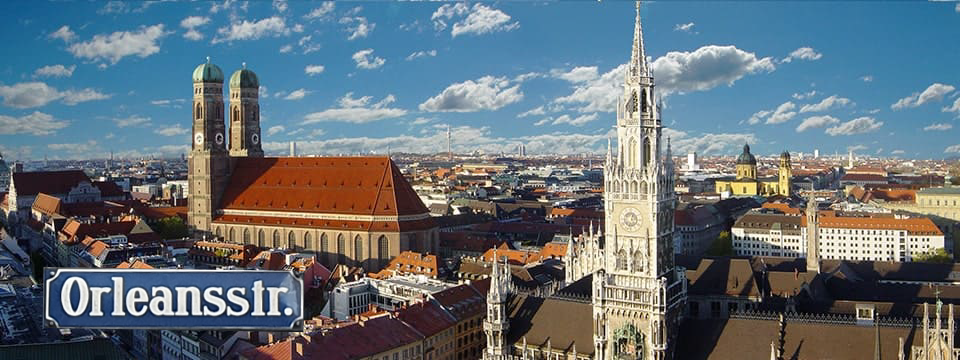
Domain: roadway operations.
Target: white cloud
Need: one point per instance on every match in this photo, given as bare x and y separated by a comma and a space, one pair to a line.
55, 71
321, 12
306, 43
801, 96
357, 110
366, 60
804, 53
421, 121
172, 131
579, 74
37, 123
783, 113
35, 94
132, 120
73, 149
866, 78
246, 30
567, 119
856, 126
934, 92
486, 93
280, 5
688, 27
535, 111
113, 47
313, 70
952, 149
273, 130
817, 121
191, 23
297, 94
706, 144
953, 108
700, 70
358, 27
938, 127
63, 33
420, 54
857, 147
957, 8
480, 19
758, 116
286, 48
826, 104
705, 68
897, 152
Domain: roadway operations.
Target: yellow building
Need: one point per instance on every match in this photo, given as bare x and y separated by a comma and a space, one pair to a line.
746, 183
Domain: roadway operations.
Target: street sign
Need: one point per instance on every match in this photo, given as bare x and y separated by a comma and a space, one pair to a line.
173, 299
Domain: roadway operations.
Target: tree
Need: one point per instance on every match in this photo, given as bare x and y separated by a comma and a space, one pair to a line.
936, 256
722, 245
171, 228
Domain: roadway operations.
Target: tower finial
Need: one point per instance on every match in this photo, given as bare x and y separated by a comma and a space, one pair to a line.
244, 64
208, 59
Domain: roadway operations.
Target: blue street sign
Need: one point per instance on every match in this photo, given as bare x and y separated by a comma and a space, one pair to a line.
173, 299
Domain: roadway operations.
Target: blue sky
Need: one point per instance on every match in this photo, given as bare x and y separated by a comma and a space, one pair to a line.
81, 79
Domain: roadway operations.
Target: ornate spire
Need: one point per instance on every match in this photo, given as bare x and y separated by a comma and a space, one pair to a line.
638, 59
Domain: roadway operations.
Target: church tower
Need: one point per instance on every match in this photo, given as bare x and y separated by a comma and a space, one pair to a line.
638, 293
245, 114
497, 323
813, 235
746, 165
209, 163
785, 172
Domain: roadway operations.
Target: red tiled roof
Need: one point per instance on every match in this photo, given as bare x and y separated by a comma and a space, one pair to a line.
415, 263
864, 177
914, 226
340, 185
157, 213
47, 204
50, 182
553, 250
74, 230
137, 264
427, 317
422, 224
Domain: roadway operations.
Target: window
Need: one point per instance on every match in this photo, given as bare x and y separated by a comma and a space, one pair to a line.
307, 240
383, 248
230, 237
341, 245
291, 240
276, 239
358, 249
246, 236
260, 239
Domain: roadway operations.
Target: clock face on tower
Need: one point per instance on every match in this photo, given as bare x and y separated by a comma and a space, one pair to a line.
630, 219
219, 139
255, 139
198, 138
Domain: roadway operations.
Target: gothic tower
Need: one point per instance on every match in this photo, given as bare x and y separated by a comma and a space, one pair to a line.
245, 114
813, 235
638, 293
209, 163
785, 173
497, 323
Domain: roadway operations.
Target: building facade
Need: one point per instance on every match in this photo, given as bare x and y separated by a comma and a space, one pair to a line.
348, 210
747, 183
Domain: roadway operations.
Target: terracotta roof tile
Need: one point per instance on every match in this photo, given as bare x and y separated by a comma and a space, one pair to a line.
47, 204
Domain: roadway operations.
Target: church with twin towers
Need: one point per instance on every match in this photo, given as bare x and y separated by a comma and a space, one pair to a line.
357, 211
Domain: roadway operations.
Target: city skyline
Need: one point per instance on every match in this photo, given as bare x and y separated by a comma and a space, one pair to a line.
349, 77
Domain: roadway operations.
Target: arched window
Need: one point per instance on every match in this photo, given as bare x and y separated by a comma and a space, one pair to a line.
647, 151
341, 248
632, 153
199, 111
644, 105
230, 237
246, 236
260, 239
383, 248
276, 239
291, 240
358, 249
236, 113
621, 260
633, 187
638, 261
218, 233
307, 243
324, 243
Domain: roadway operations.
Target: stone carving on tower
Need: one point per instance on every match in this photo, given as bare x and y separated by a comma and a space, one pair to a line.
938, 338
638, 292
209, 163
245, 114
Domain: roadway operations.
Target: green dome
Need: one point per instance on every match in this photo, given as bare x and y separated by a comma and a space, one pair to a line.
244, 79
208, 73
746, 158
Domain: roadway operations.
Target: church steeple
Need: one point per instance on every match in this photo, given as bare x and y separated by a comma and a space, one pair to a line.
638, 59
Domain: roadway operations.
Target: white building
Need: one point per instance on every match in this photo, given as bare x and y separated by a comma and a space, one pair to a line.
883, 238
352, 298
